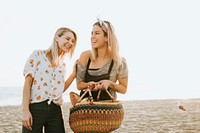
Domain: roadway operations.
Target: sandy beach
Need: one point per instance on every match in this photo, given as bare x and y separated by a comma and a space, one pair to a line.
141, 116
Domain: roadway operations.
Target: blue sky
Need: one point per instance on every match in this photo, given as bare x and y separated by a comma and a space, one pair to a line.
159, 39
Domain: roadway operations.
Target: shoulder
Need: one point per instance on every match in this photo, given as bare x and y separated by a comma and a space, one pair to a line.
83, 59
123, 60
86, 53
36, 53
122, 69
122, 64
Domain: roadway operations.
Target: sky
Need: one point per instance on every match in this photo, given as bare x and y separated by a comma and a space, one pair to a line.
159, 39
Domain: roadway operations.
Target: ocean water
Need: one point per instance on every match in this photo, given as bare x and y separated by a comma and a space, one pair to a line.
13, 96
10, 95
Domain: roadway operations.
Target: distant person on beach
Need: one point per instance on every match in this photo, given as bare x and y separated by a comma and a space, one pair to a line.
101, 67
45, 83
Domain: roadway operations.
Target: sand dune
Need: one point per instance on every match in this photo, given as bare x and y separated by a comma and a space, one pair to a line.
142, 116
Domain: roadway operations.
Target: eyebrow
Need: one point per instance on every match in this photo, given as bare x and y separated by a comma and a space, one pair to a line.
70, 37
96, 31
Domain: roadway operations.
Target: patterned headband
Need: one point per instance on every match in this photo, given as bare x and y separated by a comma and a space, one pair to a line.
101, 22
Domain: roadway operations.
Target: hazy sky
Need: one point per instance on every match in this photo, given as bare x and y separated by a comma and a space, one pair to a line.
160, 40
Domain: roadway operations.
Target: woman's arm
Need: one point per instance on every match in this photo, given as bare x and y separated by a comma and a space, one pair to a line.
26, 115
69, 81
122, 78
120, 87
82, 85
26, 92
83, 59
71, 77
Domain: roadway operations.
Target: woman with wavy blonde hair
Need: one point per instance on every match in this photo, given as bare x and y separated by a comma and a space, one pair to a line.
101, 67
45, 83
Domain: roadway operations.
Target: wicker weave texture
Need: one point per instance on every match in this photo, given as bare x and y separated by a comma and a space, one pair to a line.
96, 118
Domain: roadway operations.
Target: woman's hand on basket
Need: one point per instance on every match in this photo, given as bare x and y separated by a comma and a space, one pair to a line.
103, 84
92, 86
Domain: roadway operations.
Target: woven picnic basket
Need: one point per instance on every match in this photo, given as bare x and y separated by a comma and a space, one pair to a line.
96, 117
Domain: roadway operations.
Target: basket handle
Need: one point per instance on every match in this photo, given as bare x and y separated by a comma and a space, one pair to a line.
99, 93
98, 96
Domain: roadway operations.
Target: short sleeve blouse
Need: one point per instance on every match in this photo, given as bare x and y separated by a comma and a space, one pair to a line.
48, 81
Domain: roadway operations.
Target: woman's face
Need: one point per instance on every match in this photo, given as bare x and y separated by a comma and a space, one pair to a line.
97, 37
66, 42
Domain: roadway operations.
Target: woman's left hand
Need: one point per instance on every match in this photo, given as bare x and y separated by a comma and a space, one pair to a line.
103, 84
59, 101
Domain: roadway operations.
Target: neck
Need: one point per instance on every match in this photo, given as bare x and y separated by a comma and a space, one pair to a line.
50, 58
103, 53
60, 53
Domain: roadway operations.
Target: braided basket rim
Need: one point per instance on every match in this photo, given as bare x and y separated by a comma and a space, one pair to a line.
102, 102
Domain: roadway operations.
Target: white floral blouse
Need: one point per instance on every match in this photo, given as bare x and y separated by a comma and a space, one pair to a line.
48, 81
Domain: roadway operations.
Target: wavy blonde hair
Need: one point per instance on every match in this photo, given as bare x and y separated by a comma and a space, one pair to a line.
113, 45
53, 49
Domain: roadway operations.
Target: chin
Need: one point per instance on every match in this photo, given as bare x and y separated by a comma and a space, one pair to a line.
67, 51
94, 46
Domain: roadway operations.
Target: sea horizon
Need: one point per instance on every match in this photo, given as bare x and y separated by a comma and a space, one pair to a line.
12, 95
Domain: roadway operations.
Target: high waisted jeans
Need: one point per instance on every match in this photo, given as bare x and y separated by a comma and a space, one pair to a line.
46, 116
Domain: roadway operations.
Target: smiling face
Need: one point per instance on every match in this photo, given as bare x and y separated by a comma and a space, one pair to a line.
98, 39
66, 42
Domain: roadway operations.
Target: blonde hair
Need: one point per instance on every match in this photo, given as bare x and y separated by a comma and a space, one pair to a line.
113, 44
53, 49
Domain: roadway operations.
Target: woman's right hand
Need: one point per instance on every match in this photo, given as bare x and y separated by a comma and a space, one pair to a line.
27, 119
92, 86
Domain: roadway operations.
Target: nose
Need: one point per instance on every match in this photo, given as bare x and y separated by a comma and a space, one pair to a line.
70, 42
92, 36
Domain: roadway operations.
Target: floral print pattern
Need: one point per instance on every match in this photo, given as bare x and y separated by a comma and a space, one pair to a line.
48, 81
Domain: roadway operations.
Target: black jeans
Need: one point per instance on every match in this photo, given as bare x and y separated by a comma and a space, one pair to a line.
46, 116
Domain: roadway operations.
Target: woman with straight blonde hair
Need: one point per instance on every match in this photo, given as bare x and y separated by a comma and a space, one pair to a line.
45, 74
101, 67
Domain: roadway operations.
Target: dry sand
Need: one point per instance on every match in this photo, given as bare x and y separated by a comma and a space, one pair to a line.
143, 116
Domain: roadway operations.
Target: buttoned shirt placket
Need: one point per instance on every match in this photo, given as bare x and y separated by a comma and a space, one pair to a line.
52, 85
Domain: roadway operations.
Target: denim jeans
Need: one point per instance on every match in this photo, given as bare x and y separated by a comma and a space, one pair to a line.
47, 118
